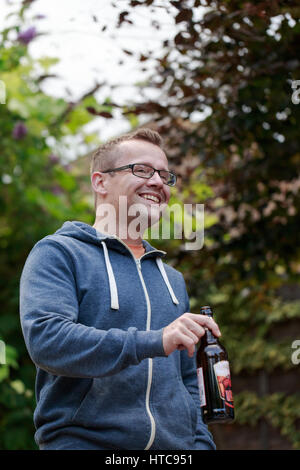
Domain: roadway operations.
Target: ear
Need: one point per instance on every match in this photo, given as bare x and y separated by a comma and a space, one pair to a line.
98, 181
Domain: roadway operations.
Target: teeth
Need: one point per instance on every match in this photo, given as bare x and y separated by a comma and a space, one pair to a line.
149, 196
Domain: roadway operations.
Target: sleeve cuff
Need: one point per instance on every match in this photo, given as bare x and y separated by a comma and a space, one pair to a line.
150, 344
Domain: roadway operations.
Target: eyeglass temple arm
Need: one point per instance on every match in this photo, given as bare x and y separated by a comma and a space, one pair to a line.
119, 168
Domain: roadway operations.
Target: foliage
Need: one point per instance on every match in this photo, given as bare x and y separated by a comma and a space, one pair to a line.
38, 192
226, 108
280, 410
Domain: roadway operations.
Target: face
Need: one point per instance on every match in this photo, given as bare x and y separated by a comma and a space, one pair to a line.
137, 190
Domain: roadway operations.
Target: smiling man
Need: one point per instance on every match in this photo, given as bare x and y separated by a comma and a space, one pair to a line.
107, 322
138, 183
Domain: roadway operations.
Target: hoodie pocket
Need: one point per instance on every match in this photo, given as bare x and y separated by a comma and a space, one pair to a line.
84, 397
190, 405
114, 408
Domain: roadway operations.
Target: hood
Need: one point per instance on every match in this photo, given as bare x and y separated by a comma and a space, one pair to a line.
79, 230
87, 233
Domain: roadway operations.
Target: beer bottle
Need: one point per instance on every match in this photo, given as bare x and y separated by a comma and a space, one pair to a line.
214, 380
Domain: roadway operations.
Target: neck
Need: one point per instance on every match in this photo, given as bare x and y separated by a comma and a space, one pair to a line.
121, 231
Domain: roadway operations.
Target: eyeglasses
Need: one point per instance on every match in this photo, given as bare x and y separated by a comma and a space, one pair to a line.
146, 171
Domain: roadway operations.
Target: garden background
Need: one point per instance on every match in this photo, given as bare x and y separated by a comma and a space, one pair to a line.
223, 94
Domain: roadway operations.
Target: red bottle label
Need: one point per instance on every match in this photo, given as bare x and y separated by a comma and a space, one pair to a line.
222, 373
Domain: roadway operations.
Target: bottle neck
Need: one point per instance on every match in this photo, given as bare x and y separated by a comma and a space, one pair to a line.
210, 338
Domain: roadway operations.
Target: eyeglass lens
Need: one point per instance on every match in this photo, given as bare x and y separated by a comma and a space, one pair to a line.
146, 171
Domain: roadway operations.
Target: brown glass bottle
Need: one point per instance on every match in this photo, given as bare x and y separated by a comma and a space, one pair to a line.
214, 380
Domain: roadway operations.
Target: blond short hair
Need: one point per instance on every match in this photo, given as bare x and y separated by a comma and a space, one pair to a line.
107, 153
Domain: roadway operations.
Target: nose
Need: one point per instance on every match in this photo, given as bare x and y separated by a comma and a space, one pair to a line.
155, 180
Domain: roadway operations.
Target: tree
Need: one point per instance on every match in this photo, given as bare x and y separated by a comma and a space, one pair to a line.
38, 192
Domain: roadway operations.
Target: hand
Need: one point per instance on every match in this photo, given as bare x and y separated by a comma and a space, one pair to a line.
185, 332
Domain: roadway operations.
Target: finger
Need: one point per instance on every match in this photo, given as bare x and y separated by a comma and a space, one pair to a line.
195, 328
187, 341
190, 333
190, 348
207, 322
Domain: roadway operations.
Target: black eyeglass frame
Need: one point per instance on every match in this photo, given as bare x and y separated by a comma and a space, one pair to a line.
132, 165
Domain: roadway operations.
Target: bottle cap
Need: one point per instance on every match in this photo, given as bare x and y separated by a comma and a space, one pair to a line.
206, 310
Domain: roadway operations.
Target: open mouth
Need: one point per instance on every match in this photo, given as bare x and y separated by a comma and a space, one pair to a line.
151, 197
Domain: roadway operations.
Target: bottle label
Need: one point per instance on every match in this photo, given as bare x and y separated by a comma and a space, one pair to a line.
222, 373
201, 386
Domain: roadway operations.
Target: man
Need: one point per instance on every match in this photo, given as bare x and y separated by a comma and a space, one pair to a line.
107, 323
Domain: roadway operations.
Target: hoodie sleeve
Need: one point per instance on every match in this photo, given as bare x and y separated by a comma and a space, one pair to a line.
56, 341
203, 438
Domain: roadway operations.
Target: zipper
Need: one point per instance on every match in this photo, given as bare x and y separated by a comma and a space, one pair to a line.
148, 324
150, 360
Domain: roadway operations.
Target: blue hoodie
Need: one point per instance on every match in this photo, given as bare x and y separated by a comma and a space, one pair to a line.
92, 316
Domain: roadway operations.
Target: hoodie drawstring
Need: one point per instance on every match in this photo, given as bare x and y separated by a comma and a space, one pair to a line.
114, 301
165, 277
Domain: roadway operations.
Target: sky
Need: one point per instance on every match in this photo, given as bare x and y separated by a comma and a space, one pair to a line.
83, 35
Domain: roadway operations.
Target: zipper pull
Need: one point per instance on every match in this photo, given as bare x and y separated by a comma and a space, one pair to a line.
138, 262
